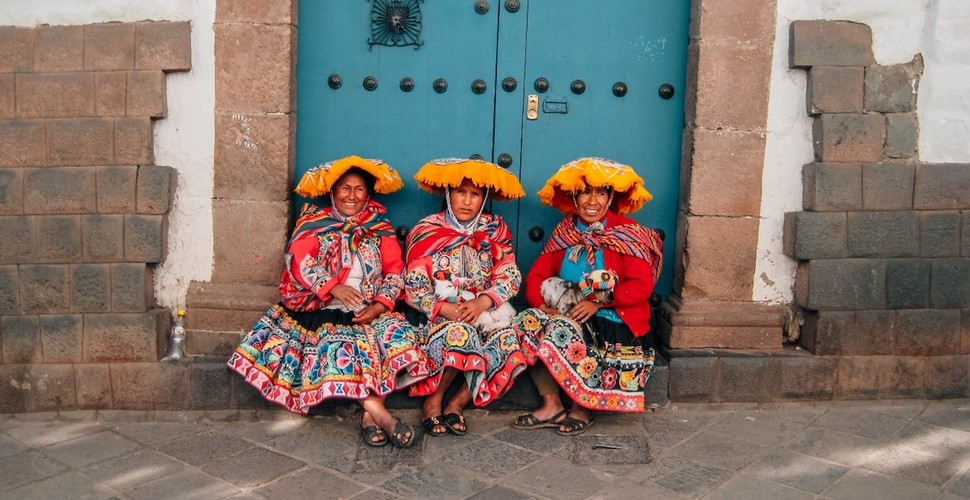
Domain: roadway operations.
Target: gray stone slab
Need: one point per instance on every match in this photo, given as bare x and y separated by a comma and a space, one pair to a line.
90, 449
503, 493
493, 458
750, 488
188, 484
910, 464
941, 442
154, 433
132, 470
388, 458
717, 449
252, 468
671, 475
27, 467
263, 431
446, 480
375, 494
860, 484
758, 428
863, 423
311, 482
838, 447
68, 485
666, 431
538, 440
555, 477
331, 448
204, 447
626, 489
796, 470
960, 484
954, 417
38, 434
10, 446
594, 449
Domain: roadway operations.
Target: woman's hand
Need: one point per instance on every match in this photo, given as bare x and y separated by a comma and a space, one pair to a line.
449, 310
369, 313
348, 296
548, 309
471, 310
584, 310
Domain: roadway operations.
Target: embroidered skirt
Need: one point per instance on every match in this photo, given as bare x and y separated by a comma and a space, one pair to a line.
600, 364
489, 360
300, 359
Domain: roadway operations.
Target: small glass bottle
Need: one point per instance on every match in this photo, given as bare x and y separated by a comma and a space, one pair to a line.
176, 350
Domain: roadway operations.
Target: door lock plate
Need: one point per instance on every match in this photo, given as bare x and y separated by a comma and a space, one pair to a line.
532, 107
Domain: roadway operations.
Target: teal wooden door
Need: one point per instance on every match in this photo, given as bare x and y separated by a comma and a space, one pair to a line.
599, 75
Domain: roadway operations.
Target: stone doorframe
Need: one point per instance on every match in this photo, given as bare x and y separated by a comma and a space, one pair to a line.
729, 68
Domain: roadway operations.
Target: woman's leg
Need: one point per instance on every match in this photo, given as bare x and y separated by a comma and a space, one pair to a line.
552, 409
374, 406
432, 406
456, 406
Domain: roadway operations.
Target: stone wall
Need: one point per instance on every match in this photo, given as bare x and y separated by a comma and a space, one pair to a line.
82, 210
883, 243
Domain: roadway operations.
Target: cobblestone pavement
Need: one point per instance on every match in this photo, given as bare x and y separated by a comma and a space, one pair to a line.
832, 450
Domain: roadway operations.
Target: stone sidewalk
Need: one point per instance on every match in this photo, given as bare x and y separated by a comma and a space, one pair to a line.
832, 450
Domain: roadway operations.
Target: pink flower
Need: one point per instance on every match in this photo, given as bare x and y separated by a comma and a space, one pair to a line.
608, 378
576, 352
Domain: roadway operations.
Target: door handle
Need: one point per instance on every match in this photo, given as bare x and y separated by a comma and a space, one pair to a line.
505, 160
532, 107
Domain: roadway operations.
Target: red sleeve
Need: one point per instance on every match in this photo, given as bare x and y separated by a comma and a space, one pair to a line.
634, 280
546, 266
393, 261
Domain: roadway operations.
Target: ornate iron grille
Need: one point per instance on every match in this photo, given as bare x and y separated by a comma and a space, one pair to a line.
395, 23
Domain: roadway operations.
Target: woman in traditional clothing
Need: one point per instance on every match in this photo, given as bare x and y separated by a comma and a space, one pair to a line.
591, 346
333, 334
461, 273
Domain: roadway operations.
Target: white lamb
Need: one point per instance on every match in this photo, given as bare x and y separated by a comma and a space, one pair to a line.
489, 320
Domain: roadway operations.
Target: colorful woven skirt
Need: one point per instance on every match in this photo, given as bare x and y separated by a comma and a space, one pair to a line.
490, 360
300, 359
600, 364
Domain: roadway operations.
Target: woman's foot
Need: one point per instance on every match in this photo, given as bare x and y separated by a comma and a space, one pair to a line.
434, 421
370, 432
454, 413
539, 420
576, 423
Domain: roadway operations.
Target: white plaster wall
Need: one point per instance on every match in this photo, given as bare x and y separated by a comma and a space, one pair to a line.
183, 139
900, 30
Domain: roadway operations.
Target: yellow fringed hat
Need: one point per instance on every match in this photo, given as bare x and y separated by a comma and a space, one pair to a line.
320, 179
436, 175
629, 193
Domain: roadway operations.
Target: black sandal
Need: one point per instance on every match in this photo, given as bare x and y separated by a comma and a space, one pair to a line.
370, 432
530, 421
574, 426
397, 435
453, 419
430, 423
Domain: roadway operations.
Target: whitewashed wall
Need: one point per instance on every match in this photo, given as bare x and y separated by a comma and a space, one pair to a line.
900, 30
183, 140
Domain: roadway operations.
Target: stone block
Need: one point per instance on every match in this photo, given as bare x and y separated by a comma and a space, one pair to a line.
848, 333
255, 71
888, 186
146, 93
742, 23
892, 89
93, 382
45, 289
109, 46
828, 187
209, 386
908, 283
849, 137
12, 394
965, 234
132, 288
110, 93
51, 388
253, 147
942, 187
11, 191
102, 237
843, 284
58, 239
150, 386
902, 135
243, 11
17, 235
861, 377
116, 189
829, 43
23, 142
21, 340
156, 185
883, 234
905, 379
939, 234
262, 258
59, 48
697, 324
926, 332
17, 49
722, 254
947, 376
835, 89
726, 158
80, 141
51, 95
245, 396
9, 291
965, 332
163, 46
950, 283
133, 141
8, 102
145, 238
746, 379
90, 288
60, 191
807, 378
212, 343
112, 338
724, 98
692, 378
815, 235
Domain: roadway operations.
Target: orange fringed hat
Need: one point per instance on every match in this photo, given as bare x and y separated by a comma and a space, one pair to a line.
436, 175
629, 193
320, 179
